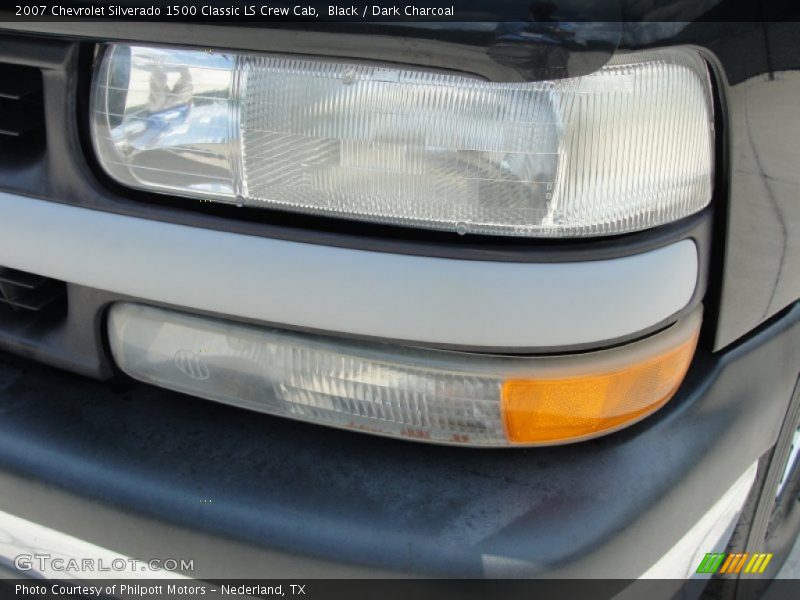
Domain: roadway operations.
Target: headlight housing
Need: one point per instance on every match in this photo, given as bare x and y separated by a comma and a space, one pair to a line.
626, 148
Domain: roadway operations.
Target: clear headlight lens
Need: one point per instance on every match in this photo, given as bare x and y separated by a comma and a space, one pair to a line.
430, 395
626, 148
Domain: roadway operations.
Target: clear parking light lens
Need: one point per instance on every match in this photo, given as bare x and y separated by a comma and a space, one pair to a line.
437, 396
626, 148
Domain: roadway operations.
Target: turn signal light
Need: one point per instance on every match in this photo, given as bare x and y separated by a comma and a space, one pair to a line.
415, 393
569, 409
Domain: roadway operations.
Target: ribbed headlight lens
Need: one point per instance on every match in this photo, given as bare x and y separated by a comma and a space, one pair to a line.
626, 148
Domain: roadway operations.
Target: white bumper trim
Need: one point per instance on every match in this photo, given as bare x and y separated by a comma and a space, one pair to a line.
393, 296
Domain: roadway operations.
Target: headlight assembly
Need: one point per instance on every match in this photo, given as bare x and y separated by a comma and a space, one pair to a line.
626, 148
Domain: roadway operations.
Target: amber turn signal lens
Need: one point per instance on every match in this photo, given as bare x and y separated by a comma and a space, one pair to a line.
576, 408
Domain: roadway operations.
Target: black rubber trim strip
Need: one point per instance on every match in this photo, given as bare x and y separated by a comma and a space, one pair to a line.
713, 299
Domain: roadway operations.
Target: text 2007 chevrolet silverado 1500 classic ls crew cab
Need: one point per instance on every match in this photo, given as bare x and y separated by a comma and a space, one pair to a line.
500, 297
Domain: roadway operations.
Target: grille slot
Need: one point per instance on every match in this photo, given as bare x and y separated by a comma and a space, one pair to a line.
21, 108
28, 292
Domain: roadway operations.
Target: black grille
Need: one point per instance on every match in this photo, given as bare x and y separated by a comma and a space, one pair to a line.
28, 292
21, 108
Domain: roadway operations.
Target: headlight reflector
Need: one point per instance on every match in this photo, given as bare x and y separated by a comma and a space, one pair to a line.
626, 148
